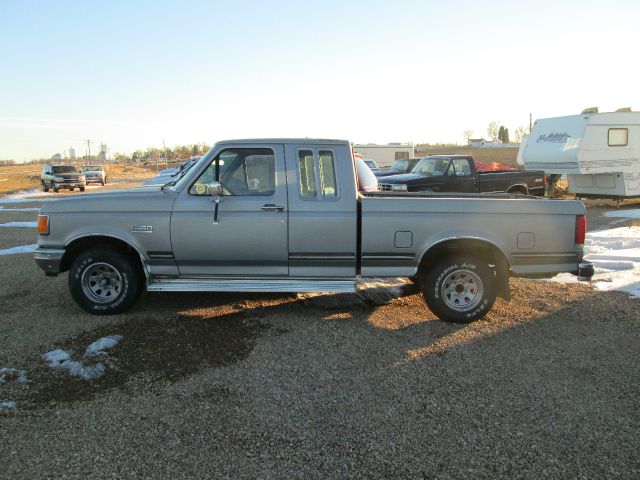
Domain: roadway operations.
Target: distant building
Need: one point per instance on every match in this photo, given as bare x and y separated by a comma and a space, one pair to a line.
103, 155
72, 153
56, 157
476, 142
385, 155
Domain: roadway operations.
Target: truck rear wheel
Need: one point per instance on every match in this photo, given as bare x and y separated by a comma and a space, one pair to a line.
459, 289
44, 187
104, 282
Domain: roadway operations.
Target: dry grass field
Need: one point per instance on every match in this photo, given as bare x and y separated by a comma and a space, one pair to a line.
26, 177
484, 155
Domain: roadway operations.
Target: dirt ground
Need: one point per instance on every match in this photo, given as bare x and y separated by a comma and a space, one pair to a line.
282, 386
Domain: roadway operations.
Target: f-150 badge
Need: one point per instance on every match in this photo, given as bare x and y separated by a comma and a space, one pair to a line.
142, 228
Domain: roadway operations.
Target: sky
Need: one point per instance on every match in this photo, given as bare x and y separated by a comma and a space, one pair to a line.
133, 74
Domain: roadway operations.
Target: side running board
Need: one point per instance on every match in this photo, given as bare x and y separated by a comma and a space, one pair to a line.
250, 285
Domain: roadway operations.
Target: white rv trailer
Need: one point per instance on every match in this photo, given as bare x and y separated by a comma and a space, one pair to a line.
599, 152
385, 155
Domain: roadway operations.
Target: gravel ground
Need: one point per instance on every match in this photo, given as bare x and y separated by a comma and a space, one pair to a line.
271, 386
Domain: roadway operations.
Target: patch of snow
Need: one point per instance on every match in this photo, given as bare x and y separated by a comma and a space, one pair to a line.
25, 209
12, 375
98, 347
20, 249
632, 213
61, 359
19, 225
27, 196
615, 254
376, 291
55, 358
7, 406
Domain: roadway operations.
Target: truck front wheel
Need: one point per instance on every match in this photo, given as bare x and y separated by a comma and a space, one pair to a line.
104, 282
459, 289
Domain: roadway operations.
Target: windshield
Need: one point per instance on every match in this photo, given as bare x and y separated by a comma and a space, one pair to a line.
63, 169
92, 168
400, 165
431, 166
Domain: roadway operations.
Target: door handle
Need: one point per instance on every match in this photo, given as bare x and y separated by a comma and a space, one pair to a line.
271, 207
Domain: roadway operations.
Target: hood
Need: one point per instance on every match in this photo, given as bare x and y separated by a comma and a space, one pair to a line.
404, 178
140, 199
388, 173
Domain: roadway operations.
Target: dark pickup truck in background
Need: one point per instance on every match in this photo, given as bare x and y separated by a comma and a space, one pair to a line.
458, 173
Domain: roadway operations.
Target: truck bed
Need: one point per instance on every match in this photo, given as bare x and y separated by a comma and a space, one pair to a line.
534, 235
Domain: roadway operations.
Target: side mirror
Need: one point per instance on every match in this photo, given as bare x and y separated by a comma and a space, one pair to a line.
215, 189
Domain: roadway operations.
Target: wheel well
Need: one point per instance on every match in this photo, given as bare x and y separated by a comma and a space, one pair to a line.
75, 248
518, 189
469, 247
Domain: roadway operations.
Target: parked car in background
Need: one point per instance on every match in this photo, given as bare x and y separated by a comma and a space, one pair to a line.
55, 177
371, 163
94, 174
367, 181
400, 166
171, 174
458, 173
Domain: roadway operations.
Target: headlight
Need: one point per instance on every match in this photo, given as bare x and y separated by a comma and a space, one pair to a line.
400, 187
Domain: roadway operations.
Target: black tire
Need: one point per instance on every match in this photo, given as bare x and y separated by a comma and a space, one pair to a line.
101, 270
103, 182
459, 289
54, 187
82, 189
71, 189
44, 187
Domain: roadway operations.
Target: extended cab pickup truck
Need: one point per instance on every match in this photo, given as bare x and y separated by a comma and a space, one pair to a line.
458, 173
286, 215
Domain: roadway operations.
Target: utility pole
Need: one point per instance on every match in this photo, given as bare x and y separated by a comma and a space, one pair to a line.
529, 124
164, 151
89, 142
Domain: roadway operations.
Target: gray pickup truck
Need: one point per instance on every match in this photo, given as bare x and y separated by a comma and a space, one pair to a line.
286, 215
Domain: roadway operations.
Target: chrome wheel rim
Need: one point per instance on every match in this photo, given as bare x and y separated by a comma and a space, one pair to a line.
462, 290
101, 282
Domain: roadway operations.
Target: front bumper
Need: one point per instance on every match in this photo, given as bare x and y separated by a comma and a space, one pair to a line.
94, 180
49, 260
70, 183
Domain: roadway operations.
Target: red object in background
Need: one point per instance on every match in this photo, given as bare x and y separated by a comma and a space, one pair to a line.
493, 167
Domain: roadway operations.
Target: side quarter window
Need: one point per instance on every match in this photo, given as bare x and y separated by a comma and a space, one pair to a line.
317, 175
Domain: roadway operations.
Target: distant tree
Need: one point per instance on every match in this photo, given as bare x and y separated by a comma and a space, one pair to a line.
501, 134
505, 135
520, 133
468, 133
492, 130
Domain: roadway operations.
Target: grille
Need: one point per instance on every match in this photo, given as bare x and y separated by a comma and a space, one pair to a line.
384, 187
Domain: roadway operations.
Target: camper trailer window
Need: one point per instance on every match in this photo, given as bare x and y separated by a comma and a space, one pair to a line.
618, 137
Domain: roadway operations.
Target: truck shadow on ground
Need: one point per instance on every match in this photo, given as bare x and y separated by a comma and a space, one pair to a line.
169, 337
